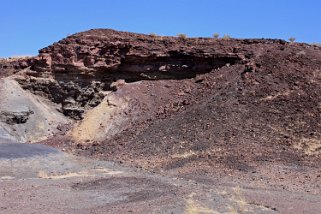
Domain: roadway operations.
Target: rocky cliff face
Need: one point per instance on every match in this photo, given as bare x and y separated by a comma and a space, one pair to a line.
77, 71
115, 52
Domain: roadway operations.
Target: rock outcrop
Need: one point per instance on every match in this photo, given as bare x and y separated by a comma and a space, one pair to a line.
132, 79
185, 95
135, 56
11, 66
76, 72
202, 109
196, 105
12, 118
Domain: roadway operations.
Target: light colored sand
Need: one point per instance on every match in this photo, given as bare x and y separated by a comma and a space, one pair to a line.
102, 121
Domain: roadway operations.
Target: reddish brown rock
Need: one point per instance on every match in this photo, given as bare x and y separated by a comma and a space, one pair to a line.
11, 66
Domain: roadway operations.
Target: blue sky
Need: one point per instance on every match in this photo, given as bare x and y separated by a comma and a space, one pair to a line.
27, 26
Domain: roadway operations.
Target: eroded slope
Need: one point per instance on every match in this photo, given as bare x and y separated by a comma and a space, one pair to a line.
210, 110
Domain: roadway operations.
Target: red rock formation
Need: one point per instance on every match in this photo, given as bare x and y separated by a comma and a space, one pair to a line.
95, 59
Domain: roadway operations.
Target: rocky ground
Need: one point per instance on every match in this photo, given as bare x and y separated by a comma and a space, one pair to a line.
197, 125
38, 179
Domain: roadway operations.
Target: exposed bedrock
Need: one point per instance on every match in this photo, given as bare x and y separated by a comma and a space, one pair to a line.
77, 71
115, 81
11, 66
74, 93
12, 118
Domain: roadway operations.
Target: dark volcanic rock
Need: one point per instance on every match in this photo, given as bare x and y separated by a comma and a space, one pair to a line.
12, 118
74, 93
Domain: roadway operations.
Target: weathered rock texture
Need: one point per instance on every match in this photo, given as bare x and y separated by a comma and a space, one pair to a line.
209, 93
12, 118
77, 70
13, 65
134, 56
259, 90
199, 108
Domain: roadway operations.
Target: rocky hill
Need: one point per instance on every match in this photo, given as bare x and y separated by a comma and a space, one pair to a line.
196, 105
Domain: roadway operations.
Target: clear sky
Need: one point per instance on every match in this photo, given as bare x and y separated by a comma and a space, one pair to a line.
28, 25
